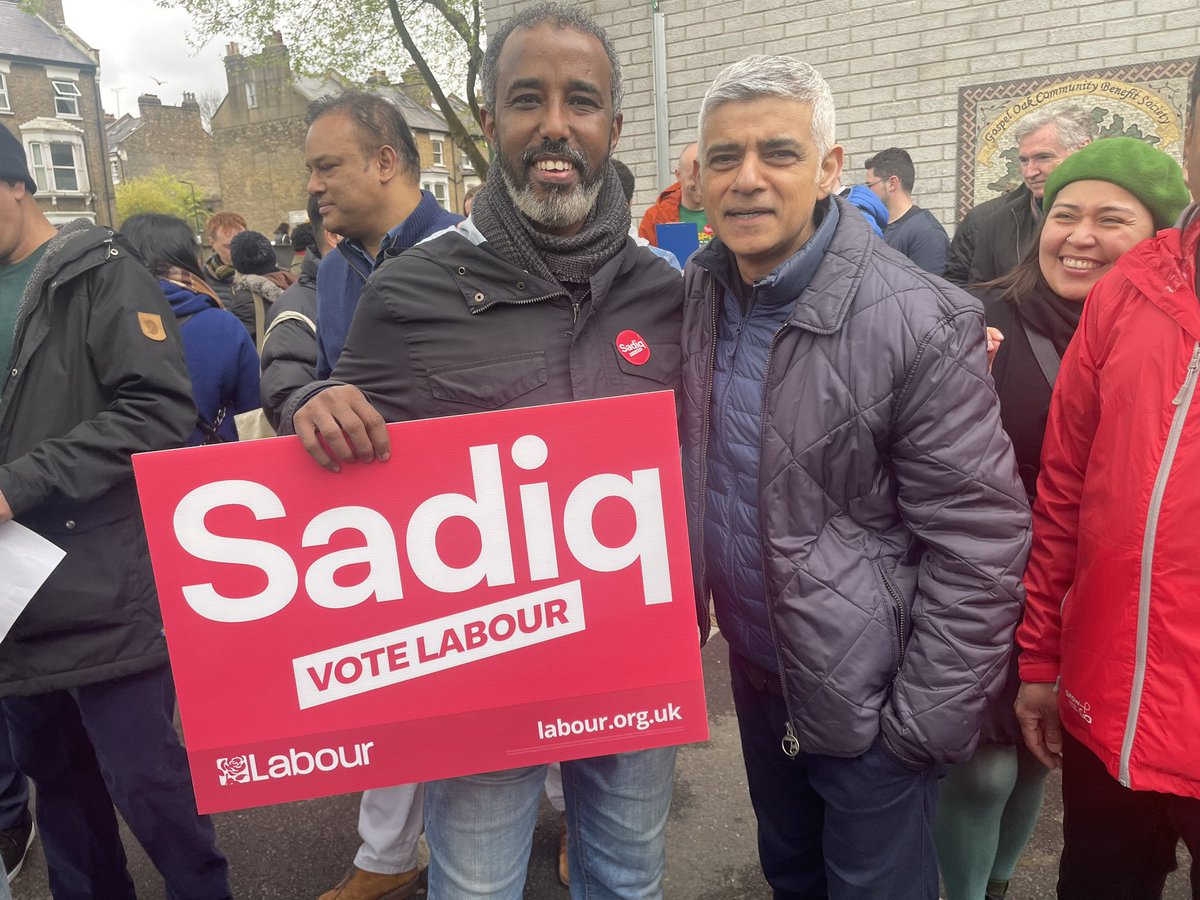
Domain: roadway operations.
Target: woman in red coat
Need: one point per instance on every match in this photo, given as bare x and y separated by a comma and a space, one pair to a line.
1110, 663
1107, 202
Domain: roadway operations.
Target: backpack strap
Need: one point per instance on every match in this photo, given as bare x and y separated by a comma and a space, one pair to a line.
1043, 350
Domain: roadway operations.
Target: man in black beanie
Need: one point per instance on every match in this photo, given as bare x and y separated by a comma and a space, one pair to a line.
91, 372
259, 281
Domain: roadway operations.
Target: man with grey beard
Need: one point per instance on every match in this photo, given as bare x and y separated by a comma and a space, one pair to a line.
522, 305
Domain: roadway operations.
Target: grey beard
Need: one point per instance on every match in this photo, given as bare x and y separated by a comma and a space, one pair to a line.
561, 209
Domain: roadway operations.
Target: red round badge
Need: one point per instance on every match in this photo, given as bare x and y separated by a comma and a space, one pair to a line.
633, 347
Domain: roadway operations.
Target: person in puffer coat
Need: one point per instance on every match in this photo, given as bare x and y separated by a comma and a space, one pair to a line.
855, 506
220, 357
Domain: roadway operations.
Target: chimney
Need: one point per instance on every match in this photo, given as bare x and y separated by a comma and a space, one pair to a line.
276, 37
109, 118
51, 11
189, 101
378, 78
231, 49
148, 100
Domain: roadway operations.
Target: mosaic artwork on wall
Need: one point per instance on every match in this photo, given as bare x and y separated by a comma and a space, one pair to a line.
1143, 101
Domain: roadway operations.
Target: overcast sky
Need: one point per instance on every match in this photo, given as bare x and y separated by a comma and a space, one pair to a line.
139, 41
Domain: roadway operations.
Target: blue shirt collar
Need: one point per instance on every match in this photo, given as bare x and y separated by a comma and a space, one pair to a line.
792, 276
404, 235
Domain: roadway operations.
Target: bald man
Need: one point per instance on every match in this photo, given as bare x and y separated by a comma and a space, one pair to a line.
681, 202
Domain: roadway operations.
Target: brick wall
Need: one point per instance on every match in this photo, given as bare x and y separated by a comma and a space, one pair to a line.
895, 66
262, 170
172, 137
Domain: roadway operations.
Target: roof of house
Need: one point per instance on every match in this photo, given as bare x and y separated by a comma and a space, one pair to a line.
330, 85
122, 128
26, 36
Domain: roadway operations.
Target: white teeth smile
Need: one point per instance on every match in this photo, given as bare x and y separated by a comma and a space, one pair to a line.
554, 165
1080, 263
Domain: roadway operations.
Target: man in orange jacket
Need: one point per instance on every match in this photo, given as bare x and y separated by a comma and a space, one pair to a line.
681, 202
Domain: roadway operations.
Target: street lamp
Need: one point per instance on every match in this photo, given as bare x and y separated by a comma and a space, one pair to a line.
195, 206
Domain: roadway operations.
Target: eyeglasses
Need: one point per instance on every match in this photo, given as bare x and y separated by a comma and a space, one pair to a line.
872, 184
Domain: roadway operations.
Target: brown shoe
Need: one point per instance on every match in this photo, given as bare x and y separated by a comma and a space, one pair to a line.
359, 884
564, 871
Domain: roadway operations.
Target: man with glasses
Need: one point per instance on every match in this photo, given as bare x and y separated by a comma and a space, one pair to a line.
994, 235
911, 230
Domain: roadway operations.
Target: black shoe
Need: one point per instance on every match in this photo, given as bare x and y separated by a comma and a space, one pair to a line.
15, 844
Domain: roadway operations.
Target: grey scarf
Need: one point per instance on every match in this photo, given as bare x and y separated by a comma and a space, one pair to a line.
565, 260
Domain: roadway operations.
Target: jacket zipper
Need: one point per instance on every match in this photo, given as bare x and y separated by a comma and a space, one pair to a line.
526, 301
887, 584
704, 430
1182, 402
790, 742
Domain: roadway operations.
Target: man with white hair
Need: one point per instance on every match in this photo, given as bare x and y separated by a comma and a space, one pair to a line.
855, 505
994, 235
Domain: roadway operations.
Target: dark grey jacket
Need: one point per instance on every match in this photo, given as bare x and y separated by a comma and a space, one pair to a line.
448, 328
289, 350
992, 238
894, 526
98, 375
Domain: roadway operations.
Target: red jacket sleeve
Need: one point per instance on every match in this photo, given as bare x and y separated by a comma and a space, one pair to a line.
1070, 430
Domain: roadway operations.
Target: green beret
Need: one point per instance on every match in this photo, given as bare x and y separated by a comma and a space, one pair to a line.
1149, 174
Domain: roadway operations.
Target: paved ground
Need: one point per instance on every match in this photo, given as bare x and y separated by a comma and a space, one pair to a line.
296, 851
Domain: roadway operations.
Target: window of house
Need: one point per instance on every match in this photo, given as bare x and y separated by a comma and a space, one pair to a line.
55, 167
116, 171
251, 96
66, 99
5, 106
467, 164
439, 158
440, 191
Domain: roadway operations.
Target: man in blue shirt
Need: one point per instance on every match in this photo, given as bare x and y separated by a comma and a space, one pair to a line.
365, 172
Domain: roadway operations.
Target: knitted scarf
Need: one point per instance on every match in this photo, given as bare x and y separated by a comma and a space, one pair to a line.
565, 260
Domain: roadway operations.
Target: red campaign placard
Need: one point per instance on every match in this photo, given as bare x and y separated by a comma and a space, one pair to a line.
510, 588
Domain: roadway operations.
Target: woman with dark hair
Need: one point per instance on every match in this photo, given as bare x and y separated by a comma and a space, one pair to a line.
219, 353
1099, 202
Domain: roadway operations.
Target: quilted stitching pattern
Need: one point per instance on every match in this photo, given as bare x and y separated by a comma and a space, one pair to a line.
883, 465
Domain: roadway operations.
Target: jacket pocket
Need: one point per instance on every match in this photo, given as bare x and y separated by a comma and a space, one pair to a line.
490, 384
899, 615
662, 368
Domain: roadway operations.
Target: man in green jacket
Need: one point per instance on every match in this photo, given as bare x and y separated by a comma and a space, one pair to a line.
91, 372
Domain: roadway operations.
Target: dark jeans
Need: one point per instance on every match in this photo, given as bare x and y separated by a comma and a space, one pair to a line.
843, 829
14, 790
1117, 843
112, 743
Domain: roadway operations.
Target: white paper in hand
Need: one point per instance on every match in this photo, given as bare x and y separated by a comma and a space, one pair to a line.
26, 561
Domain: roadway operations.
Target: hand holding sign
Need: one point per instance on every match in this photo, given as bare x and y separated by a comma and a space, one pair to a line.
521, 574
341, 420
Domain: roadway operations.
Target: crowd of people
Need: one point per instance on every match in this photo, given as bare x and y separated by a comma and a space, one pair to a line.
869, 412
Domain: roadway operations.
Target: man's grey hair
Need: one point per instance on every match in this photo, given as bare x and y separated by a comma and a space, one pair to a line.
562, 16
1074, 124
774, 76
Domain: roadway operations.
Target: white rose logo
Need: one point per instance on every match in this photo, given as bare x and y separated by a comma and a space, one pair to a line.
233, 770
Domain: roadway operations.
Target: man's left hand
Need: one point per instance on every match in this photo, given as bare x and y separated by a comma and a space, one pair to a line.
6, 512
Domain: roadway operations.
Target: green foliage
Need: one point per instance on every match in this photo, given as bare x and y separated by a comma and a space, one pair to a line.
440, 37
160, 192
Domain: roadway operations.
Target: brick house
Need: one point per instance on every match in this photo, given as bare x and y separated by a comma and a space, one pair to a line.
165, 137
50, 99
259, 130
